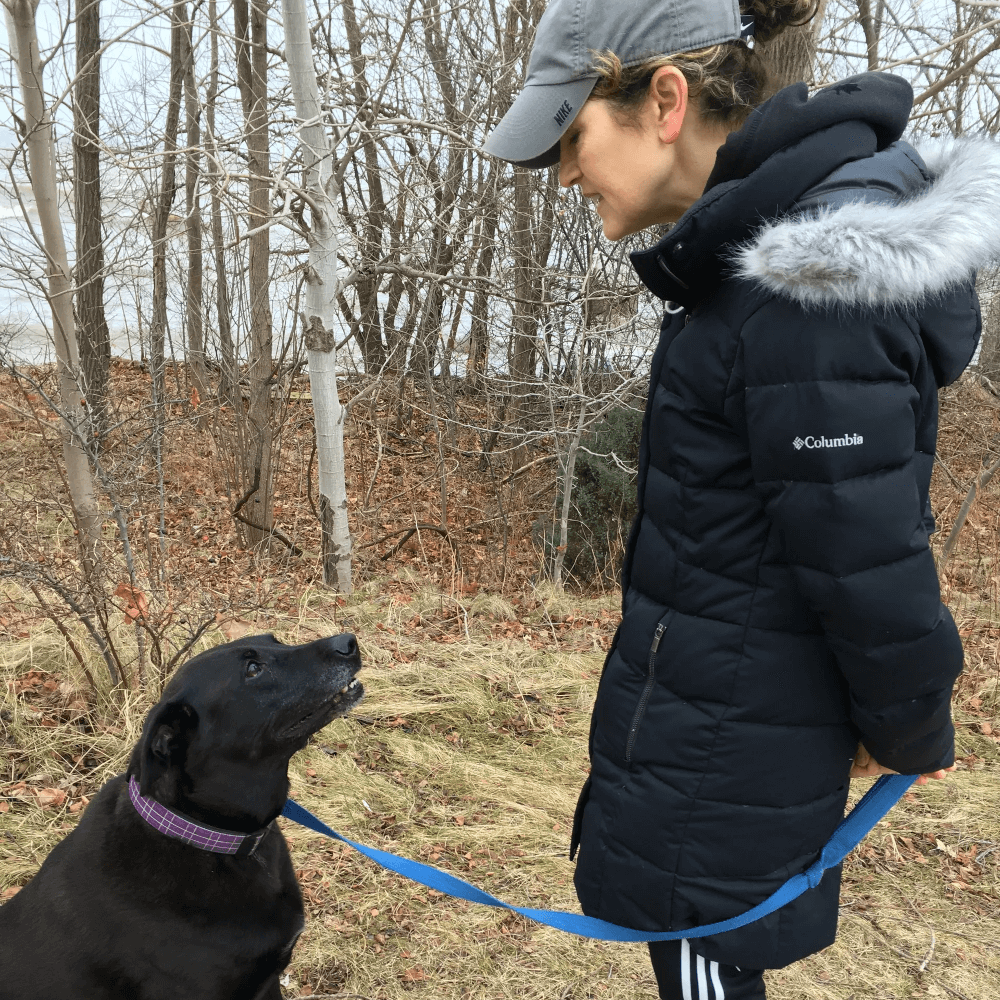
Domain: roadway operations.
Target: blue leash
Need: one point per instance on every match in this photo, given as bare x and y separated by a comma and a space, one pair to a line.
879, 799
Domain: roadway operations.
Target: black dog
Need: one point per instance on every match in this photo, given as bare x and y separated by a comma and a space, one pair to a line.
122, 911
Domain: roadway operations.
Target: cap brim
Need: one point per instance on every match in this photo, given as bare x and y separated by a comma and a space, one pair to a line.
528, 135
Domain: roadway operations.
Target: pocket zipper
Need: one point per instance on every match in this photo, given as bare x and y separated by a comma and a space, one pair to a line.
646, 692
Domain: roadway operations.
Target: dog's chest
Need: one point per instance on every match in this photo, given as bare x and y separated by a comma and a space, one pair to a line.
231, 959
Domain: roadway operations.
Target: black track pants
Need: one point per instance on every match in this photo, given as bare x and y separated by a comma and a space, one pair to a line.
682, 974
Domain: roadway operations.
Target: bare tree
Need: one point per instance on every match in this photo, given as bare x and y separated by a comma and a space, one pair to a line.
321, 299
255, 508
791, 55
192, 205
92, 326
227, 380
161, 218
42, 169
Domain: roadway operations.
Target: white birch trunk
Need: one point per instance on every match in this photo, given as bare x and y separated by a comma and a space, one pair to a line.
321, 299
42, 167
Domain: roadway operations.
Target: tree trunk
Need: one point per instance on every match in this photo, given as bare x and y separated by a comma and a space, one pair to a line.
227, 381
479, 331
790, 56
92, 327
373, 226
522, 349
192, 205
257, 454
568, 464
161, 219
321, 299
42, 169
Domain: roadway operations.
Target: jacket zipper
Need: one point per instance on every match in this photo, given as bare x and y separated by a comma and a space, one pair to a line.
646, 692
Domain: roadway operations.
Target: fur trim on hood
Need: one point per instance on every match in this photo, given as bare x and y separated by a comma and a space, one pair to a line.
883, 254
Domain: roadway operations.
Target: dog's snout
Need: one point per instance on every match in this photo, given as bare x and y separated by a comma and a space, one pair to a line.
345, 644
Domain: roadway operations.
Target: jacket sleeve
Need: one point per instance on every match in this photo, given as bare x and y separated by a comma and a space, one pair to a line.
831, 409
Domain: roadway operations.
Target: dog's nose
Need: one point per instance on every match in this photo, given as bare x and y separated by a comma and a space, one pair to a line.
345, 644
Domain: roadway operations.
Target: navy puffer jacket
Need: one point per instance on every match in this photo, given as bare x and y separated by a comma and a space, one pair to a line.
780, 597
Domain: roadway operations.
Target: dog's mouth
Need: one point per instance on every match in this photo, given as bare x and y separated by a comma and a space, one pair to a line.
331, 708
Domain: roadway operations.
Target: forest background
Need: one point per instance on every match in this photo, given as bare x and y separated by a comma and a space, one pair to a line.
280, 350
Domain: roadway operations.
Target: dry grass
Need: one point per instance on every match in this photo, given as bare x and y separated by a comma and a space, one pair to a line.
468, 751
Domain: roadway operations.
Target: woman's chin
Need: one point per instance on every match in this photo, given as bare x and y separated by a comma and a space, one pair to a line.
613, 230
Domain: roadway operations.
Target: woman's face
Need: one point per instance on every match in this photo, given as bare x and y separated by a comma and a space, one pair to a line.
645, 173
616, 166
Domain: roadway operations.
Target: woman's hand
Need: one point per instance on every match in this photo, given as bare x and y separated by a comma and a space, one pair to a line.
866, 766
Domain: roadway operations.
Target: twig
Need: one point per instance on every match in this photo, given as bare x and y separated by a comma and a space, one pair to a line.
392, 534
524, 468
948, 473
378, 463
945, 930
930, 953
275, 532
81, 614
979, 483
953, 992
334, 996
65, 634
410, 532
309, 485
198, 633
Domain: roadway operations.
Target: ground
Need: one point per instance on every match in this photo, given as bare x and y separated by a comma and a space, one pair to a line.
470, 746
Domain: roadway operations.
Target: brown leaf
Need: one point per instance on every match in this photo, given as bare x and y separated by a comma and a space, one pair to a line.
235, 628
460, 820
414, 975
11, 892
50, 798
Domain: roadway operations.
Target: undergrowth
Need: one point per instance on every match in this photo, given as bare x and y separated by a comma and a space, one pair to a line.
468, 751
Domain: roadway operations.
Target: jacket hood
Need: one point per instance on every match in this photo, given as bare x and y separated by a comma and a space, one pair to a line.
880, 100
788, 146
816, 200
887, 254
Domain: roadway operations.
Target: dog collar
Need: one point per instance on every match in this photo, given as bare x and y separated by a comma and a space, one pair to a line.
179, 827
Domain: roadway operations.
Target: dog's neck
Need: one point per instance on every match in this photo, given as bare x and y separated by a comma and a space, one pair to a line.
177, 826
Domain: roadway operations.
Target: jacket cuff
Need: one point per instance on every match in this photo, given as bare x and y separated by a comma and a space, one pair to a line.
931, 752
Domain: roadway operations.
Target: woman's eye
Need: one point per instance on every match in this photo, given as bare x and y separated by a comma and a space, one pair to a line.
254, 668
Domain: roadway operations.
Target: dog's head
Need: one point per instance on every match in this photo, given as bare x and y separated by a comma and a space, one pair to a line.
217, 744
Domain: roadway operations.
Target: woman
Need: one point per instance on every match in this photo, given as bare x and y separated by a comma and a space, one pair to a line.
780, 604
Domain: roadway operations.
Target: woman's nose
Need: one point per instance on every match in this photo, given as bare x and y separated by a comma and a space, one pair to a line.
569, 173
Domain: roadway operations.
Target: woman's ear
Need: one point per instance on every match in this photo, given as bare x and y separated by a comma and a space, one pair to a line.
668, 92
164, 747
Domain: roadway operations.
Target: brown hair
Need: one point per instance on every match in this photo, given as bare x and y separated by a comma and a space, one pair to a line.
727, 80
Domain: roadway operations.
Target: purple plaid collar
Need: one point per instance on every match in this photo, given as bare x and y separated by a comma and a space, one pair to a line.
173, 824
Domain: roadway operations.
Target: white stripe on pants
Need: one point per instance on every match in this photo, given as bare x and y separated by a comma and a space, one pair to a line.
687, 979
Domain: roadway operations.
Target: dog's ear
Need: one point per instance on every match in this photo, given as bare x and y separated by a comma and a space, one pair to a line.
168, 733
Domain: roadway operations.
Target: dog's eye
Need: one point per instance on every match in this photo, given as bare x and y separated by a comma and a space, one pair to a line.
254, 668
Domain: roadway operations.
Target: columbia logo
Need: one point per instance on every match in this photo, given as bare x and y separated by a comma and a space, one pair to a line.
824, 442
563, 113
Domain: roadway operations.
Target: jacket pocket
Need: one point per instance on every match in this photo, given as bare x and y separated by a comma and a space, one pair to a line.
640, 709
581, 802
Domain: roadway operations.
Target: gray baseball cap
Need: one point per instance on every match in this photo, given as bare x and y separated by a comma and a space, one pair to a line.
560, 71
